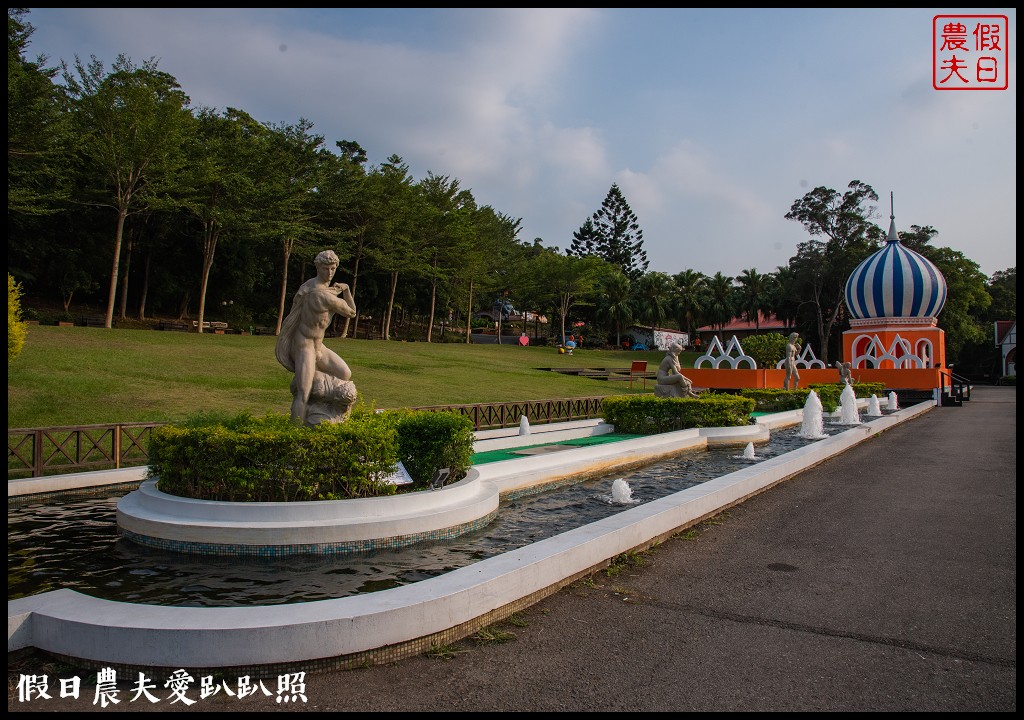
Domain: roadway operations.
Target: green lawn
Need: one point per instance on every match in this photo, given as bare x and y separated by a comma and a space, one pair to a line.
81, 376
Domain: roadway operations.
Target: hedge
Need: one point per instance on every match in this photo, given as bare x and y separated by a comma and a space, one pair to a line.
646, 415
269, 459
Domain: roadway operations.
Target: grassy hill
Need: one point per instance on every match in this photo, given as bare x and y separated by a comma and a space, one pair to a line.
81, 376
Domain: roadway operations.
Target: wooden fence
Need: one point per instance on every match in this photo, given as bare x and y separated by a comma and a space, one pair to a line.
36, 452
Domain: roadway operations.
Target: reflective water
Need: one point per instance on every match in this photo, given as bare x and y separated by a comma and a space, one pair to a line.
72, 542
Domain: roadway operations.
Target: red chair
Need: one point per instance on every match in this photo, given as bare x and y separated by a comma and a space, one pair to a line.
638, 371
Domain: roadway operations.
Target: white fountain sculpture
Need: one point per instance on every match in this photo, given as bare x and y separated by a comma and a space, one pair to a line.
849, 414
524, 426
748, 452
621, 492
892, 401
813, 427
874, 408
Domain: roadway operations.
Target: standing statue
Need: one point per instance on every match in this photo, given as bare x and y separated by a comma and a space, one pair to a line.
300, 346
671, 381
792, 381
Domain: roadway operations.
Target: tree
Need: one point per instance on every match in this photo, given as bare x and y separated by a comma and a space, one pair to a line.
569, 281
37, 179
842, 235
17, 331
1002, 287
690, 298
395, 211
295, 177
585, 241
613, 233
130, 125
754, 296
445, 231
220, 176
654, 292
721, 299
616, 301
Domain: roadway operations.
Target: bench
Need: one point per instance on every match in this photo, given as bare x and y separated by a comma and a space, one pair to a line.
173, 326
217, 327
96, 321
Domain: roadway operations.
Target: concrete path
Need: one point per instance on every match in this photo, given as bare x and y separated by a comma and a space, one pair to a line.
882, 580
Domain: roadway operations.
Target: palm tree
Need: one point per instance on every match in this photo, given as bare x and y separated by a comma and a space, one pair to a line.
754, 295
616, 301
654, 294
721, 299
690, 297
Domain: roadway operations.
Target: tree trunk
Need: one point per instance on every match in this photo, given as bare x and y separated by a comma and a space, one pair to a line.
355, 279
122, 213
433, 301
209, 248
145, 287
124, 277
287, 253
386, 334
469, 314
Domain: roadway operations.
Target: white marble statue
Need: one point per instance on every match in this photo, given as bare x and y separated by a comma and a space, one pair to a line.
300, 346
671, 381
792, 381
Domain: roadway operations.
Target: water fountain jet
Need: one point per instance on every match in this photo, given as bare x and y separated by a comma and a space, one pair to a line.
813, 427
849, 414
621, 492
874, 408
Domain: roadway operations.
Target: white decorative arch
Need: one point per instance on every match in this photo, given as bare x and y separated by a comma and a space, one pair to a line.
806, 359
875, 354
715, 359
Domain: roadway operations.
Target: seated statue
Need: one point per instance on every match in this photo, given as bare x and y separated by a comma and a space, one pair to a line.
671, 381
845, 372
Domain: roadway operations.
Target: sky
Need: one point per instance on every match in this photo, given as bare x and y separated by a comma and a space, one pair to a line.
711, 122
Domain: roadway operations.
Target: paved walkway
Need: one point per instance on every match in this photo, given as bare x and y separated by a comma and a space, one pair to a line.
882, 580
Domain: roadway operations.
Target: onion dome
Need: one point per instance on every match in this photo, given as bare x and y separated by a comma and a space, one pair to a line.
895, 282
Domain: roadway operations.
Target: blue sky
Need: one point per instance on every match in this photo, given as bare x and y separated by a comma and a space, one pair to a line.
712, 122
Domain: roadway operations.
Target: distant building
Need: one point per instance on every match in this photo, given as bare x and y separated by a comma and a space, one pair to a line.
663, 337
1006, 341
743, 329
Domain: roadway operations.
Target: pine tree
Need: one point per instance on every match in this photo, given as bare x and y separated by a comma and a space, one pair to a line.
585, 241
614, 234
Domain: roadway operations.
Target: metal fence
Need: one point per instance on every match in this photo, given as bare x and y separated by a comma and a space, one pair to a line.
36, 452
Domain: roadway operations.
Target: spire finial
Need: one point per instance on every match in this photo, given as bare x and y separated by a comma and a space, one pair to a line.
892, 209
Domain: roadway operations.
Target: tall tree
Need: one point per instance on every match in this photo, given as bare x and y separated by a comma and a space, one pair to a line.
569, 281
613, 233
654, 292
130, 125
690, 298
585, 241
37, 179
842, 234
445, 231
394, 251
754, 295
616, 302
721, 299
294, 180
223, 155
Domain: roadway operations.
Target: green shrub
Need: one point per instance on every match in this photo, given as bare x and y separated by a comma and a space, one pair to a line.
269, 459
646, 415
775, 399
16, 329
243, 458
767, 350
428, 441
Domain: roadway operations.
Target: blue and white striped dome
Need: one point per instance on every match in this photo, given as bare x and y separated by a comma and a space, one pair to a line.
895, 282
